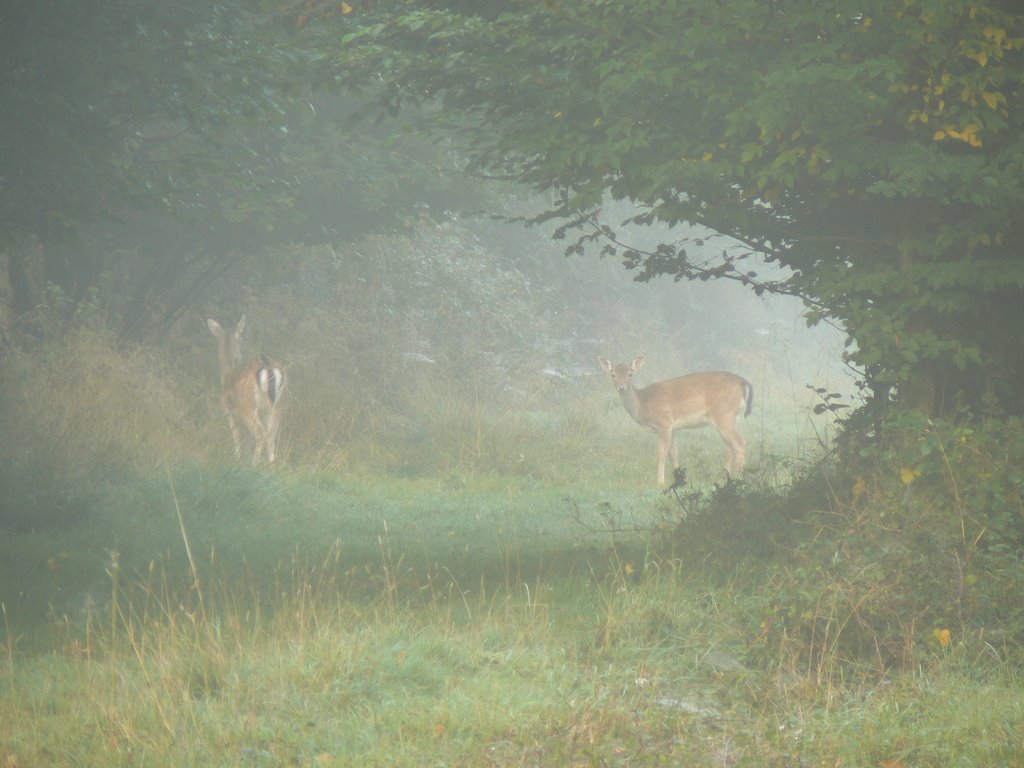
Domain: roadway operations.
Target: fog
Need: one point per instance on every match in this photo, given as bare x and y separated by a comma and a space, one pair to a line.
399, 289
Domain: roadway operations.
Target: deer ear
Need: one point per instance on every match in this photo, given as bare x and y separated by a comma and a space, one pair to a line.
638, 363
605, 363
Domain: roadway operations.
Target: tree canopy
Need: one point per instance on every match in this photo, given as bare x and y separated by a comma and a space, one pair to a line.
874, 150
147, 148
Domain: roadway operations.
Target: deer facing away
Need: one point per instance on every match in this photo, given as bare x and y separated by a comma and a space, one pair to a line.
251, 391
688, 402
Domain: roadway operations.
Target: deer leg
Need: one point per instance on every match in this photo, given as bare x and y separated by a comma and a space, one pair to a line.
258, 431
272, 424
737, 449
664, 443
267, 432
236, 434
262, 440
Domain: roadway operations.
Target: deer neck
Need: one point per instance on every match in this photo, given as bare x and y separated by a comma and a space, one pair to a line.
631, 400
229, 356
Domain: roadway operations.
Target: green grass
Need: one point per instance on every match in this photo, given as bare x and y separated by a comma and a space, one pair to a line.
410, 622
257, 528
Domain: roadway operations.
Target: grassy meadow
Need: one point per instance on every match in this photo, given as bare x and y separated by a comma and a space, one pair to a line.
236, 617
492, 581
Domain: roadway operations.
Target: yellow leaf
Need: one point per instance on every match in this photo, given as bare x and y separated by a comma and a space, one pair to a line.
707, 156
939, 135
859, 487
995, 34
942, 637
908, 475
970, 135
345, 8
993, 99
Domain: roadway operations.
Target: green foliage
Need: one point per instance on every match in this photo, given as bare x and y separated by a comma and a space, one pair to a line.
956, 492
148, 151
874, 152
122, 109
118, 119
910, 541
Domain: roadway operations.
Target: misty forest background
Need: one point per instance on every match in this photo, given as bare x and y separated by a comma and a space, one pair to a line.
437, 215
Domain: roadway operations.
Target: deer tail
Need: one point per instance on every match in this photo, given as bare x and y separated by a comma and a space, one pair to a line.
271, 380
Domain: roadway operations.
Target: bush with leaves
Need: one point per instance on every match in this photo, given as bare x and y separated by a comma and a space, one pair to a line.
907, 540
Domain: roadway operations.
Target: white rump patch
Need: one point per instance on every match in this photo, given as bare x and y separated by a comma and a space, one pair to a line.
271, 381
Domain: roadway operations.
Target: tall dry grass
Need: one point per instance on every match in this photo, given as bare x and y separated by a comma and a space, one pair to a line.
80, 401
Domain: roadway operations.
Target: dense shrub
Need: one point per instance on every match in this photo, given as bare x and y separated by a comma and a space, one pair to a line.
905, 543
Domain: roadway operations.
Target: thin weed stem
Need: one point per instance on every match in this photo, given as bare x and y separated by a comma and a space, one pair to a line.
193, 569
9, 647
